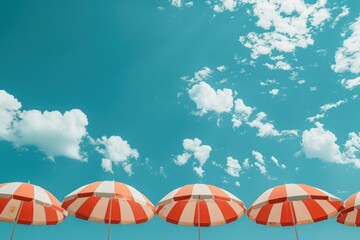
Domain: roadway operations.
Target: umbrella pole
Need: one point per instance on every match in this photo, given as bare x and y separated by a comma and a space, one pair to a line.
108, 238
16, 219
198, 219
293, 220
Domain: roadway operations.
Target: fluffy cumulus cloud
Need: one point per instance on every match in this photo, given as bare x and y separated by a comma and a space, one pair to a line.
208, 99
241, 113
194, 148
226, 5
347, 57
267, 129
52, 132
116, 151
200, 75
321, 144
233, 167
288, 25
279, 65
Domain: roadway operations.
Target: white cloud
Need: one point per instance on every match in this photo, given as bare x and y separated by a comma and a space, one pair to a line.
351, 83
207, 99
162, 172
199, 171
266, 129
288, 25
276, 161
194, 148
261, 168
280, 65
176, 3
53, 133
106, 164
347, 57
344, 13
237, 183
320, 143
182, 159
259, 157
116, 151
274, 92
241, 113
246, 163
226, 5
233, 167
317, 116
199, 76
221, 68
329, 106
313, 89
189, 4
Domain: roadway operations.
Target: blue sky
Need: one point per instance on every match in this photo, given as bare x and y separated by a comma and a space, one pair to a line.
242, 94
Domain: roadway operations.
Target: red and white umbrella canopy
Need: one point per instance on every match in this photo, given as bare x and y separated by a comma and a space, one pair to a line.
217, 206
95, 202
279, 205
351, 215
26, 203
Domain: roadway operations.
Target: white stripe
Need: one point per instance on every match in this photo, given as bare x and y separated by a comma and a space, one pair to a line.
357, 201
169, 197
73, 194
331, 197
39, 217
201, 191
74, 206
165, 210
351, 218
275, 214
216, 216
187, 216
41, 197
127, 216
9, 189
302, 213
295, 193
263, 199
11, 209
138, 197
328, 208
105, 189
99, 211
232, 196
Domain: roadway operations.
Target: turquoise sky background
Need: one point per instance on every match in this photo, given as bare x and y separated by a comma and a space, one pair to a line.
124, 66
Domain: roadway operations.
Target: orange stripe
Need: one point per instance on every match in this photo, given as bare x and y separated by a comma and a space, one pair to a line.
176, 211
115, 212
357, 221
286, 218
25, 192
341, 218
227, 211
218, 193
138, 211
122, 191
89, 190
51, 216
263, 214
184, 193
3, 203
204, 214
278, 194
315, 210
86, 208
313, 192
27, 213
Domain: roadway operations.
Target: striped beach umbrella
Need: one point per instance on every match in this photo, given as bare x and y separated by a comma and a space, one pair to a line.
293, 204
350, 215
109, 202
200, 205
25, 203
